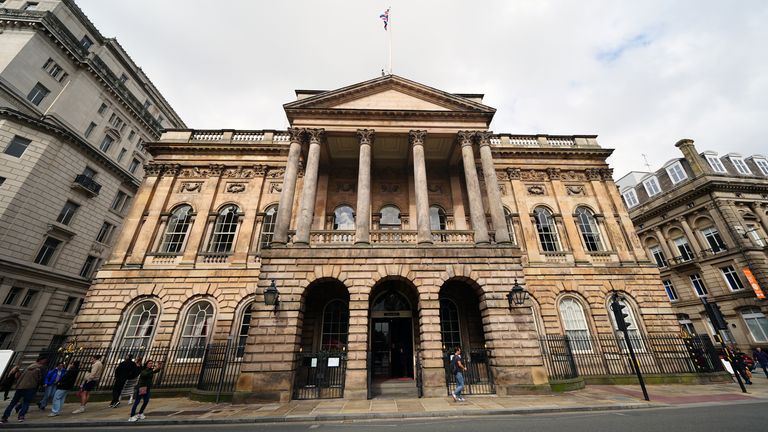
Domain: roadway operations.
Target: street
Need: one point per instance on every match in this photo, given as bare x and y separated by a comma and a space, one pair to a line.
701, 418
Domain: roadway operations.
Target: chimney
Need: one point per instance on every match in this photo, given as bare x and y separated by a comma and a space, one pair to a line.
692, 156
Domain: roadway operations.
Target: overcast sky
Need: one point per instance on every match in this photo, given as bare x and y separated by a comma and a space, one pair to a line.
639, 74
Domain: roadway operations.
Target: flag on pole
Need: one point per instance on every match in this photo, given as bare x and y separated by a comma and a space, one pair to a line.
385, 17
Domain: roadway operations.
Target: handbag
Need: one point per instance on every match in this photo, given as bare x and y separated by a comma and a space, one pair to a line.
143, 390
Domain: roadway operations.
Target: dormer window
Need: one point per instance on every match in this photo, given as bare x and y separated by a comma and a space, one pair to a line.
715, 163
651, 186
762, 164
630, 197
740, 165
676, 173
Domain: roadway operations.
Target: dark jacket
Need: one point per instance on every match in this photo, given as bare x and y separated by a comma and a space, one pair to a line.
67, 382
10, 379
761, 357
146, 376
125, 370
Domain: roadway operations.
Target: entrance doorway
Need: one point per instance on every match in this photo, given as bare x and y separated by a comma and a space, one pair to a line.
392, 348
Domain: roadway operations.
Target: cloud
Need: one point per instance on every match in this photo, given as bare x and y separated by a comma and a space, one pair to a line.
613, 54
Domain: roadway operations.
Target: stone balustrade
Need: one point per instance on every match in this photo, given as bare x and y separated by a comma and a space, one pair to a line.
393, 237
248, 136
214, 257
453, 237
207, 135
329, 237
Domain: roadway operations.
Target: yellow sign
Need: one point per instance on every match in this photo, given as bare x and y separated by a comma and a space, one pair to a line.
752, 281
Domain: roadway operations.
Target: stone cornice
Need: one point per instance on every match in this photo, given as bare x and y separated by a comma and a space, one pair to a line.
122, 174
178, 148
360, 114
552, 152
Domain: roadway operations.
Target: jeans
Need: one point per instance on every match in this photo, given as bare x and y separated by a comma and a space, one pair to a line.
459, 384
144, 397
765, 368
49, 392
58, 400
23, 395
117, 388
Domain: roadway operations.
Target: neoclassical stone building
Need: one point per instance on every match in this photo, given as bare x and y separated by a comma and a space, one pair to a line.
393, 224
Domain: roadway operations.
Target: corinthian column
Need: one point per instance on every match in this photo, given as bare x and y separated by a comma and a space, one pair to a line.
363, 216
477, 214
285, 207
416, 138
492, 189
309, 192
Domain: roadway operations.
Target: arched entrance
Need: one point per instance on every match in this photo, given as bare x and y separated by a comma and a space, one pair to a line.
393, 339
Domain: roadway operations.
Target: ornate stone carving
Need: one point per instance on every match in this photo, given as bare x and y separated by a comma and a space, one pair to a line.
417, 137
537, 190
484, 137
216, 170
435, 188
295, 134
275, 187
592, 174
276, 173
501, 176
553, 173
573, 176
607, 174
315, 135
575, 190
533, 175
235, 187
366, 136
345, 187
513, 173
244, 172
190, 187
503, 189
465, 137
153, 169
390, 187
171, 170
194, 172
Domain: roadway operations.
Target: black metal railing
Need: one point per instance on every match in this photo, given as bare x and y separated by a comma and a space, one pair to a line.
478, 378
320, 375
88, 183
569, 357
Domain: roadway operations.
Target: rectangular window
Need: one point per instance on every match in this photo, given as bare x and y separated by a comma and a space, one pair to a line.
160, 119
630, 197
121, 154
90, 129
66, 214
89, 172
29, 298
118, 204
131, 134
715, 163
17, 146
712, 236
658, 256
29, 6
754, 234
88, 267
670, 289
732, 278
652, 186
756, 323
37, 94
106, 143
147, 103
676, 173
698, 285
740, 165
763, 165
123, 78
12, 296
54, 70
79, 305
134, 165
102, 108
105, 233
86, 42
686, 254
47, 251
69, 304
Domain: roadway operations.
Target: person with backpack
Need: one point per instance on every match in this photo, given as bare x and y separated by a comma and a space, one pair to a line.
26, 388
9, 380
458, 368
66, 383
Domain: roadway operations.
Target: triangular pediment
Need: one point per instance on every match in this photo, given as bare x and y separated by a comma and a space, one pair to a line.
388, 93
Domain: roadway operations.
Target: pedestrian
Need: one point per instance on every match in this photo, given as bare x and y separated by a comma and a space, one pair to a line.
458, 368
26, 388
66, 383
143, 389
739, 366
91, 380
50, 382
9, 380
761, 357
123, 372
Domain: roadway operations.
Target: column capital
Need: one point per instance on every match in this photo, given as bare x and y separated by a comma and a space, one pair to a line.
484, 138
295, 134
465, 137
315, 135
366, 136
553, 173
417, 137
153, 169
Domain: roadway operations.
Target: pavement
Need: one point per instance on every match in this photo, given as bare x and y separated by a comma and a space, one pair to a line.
180, 411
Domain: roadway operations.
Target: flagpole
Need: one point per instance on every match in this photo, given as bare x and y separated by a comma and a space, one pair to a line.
390, 42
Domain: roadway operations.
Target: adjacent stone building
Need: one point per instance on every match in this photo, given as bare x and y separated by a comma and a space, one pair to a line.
703, 218
75, 112
393, 224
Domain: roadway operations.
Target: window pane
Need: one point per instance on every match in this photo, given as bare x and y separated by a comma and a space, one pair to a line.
344, 218
268, 226
176, 230
449, 324
335, 326
588, 228
140, 326
17, 146
47, 251
223, 235
545, 225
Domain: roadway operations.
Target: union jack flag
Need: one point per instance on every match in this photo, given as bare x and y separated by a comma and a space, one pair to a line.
385, 17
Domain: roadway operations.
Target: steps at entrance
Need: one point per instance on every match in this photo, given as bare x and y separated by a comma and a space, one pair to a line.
394, 389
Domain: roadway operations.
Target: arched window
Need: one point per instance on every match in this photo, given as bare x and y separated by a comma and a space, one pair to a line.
510, 225
8, 331
575, 324
545, 225
632, 325
176, 231
268, 226
245, 327
335, 326
587, 224
449, 324
390, 218
756, 323
437, 219
140, 326
343, 218
196, 329
223, 236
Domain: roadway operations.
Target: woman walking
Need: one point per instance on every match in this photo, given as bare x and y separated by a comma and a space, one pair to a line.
66, 383
143, 389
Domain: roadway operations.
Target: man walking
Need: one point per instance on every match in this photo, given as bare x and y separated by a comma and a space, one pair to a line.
50, 383
124, 371
26, 388
458, 368
91, 380
761, 357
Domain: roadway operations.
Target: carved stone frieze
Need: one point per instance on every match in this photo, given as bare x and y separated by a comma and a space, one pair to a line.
275, 187
533, 175
244, 172
435, 188
575, 190
503, 189
390, 187
153, 169
190, 187
502, 176
276, 173
514, 173
345, 187
607, 174
573, 175
553, 173
235, 187
592, 174
537, 190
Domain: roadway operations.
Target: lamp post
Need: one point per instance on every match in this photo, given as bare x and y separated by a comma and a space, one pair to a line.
272, 296
517, 295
